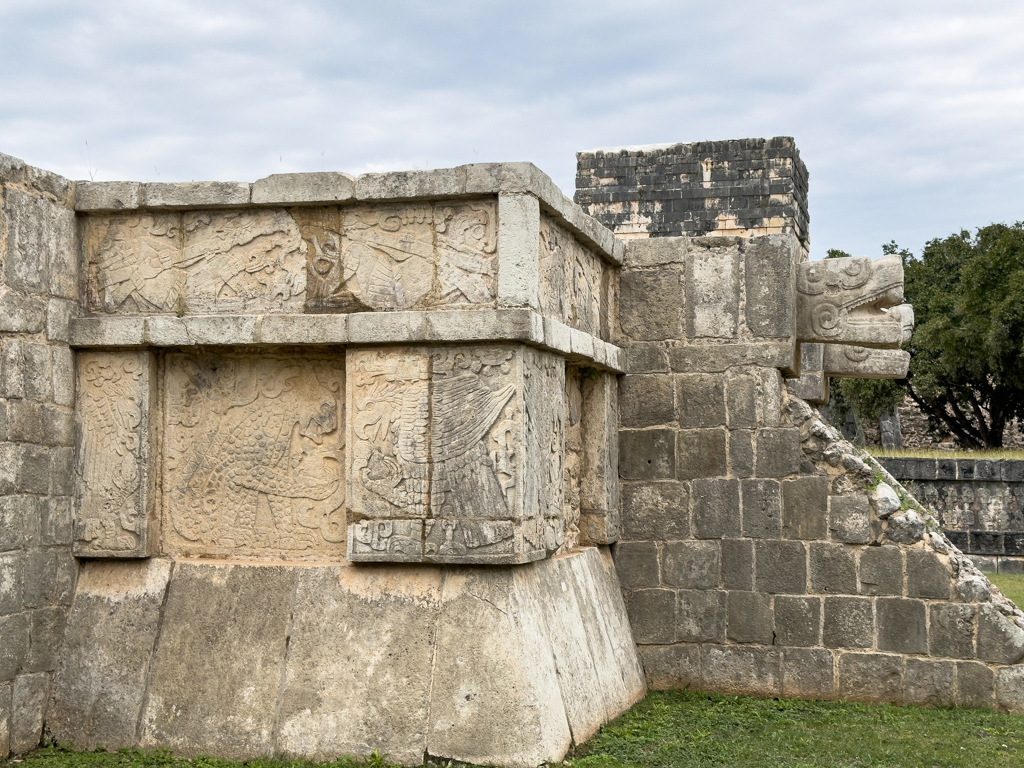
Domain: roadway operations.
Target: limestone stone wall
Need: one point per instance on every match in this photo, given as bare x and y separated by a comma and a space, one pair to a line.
38, 289
759, 553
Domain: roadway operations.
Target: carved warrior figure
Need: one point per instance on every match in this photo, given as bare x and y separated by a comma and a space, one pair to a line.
853, 300
255, 453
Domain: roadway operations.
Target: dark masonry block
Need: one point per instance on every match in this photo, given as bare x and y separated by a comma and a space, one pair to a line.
797, 620
808, 673
702, 453
902, 625
780, 567
762, 508
1013, 543
637, 564
986, 543
737, 564
40, 578
895, 467
920, 469
651, 304
999, 639
652, 615
833, 569
945, 469
975, 684
701, 399
959, 539
645, 357
805, 507
849, 623
700, 616
655, 510
741, 453
778, 452
768, 285
750, 617
46, 634
1010, 565
716, 508
986, 469
34, 469
849, 519
932, 683
870, 677
965, 469
648, 454
742, 402
1011, 471
742, 669
951, 630
692, 564
927, 575
14, 644
646, 400
670, 666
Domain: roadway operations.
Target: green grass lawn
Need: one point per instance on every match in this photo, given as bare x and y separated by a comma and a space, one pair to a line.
1011, 584
685, 728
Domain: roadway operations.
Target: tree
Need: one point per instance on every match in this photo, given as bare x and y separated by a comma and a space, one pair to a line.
967, 350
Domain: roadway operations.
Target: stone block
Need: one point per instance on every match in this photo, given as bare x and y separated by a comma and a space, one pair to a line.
881, 571
8, 466
1013, 565
870, 677
193, 194
777, 452
965, 469
291, 188
115, 513
30, 239
217, 670
648, 454
62, 482
15, 631
712, 291
720, 358
519, 220
637, 563
781, 567
646, 401
655, 510
691, 564
769, 264
651, 304
645, 357
19, 521
671, 666
951, 630
975, 684
986, 543
21, 314
804, 507
999, 639
652, 615
12, 569
40, 577
741, 453
701, 453
58, 425
55, 525
34, 469
928, 575
1011, 471
849, 519
28, 708
762, 509
25, 421
5, 719
986, 563
833, 569
808, 673
750, 618
741, 400
945, 469
600, 521
797, 621
67, 575
45, 636
902, 625
849, 623
38, 376
1010, 688
700, 400
932, 683
700, 616
716, 508
737, 564
12, 368
742, 670
106, 195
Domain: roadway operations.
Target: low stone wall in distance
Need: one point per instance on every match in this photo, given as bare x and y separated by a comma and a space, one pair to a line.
979, 502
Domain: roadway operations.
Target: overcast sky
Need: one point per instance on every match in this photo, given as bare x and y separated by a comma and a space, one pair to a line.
909, 115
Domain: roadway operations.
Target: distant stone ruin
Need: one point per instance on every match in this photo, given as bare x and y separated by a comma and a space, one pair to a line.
441, 463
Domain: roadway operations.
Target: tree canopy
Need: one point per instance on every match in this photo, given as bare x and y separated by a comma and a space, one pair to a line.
967, 350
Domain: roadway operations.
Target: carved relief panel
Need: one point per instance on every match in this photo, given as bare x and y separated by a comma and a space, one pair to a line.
254, 455
442, 441
574, 283
114, 505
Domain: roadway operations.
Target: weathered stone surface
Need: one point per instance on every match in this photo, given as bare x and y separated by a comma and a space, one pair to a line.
849, 623
999, 639
671, 666
14, 643
28, 700
600, 518
750, 617
648, 454
712, 290
115, 514
651, 304
701, 453
808, 673
881, 571
762, 509
741, 402
928, 575
106, 195
700, 616
849, 519
735, 669
975, 684
700, 400
652, 615
738, 564
518, 280
905, 528
902, 625
573, 285
804, 510
5, 718
1010, 688
254, 455
930, 682
951, 630
870, 677
778, 452
716, 508
289, 188
833, 569
769, 263
846, 361
655, 510
193, 194
637, 563
797, 620
646, 401
691, 564
112, 628
781, 567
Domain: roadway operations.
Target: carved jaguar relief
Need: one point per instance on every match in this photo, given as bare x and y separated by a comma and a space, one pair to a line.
254, 452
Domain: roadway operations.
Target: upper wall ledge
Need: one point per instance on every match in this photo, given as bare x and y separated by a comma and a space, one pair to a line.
331, 188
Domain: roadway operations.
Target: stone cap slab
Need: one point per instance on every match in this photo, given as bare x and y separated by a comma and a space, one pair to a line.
360, 328
471, 180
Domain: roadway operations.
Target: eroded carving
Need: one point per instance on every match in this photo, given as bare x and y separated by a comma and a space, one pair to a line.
114, 494
543, 480
853, 300
254, 455
133, 263
573, 469
844, 361
573, 283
